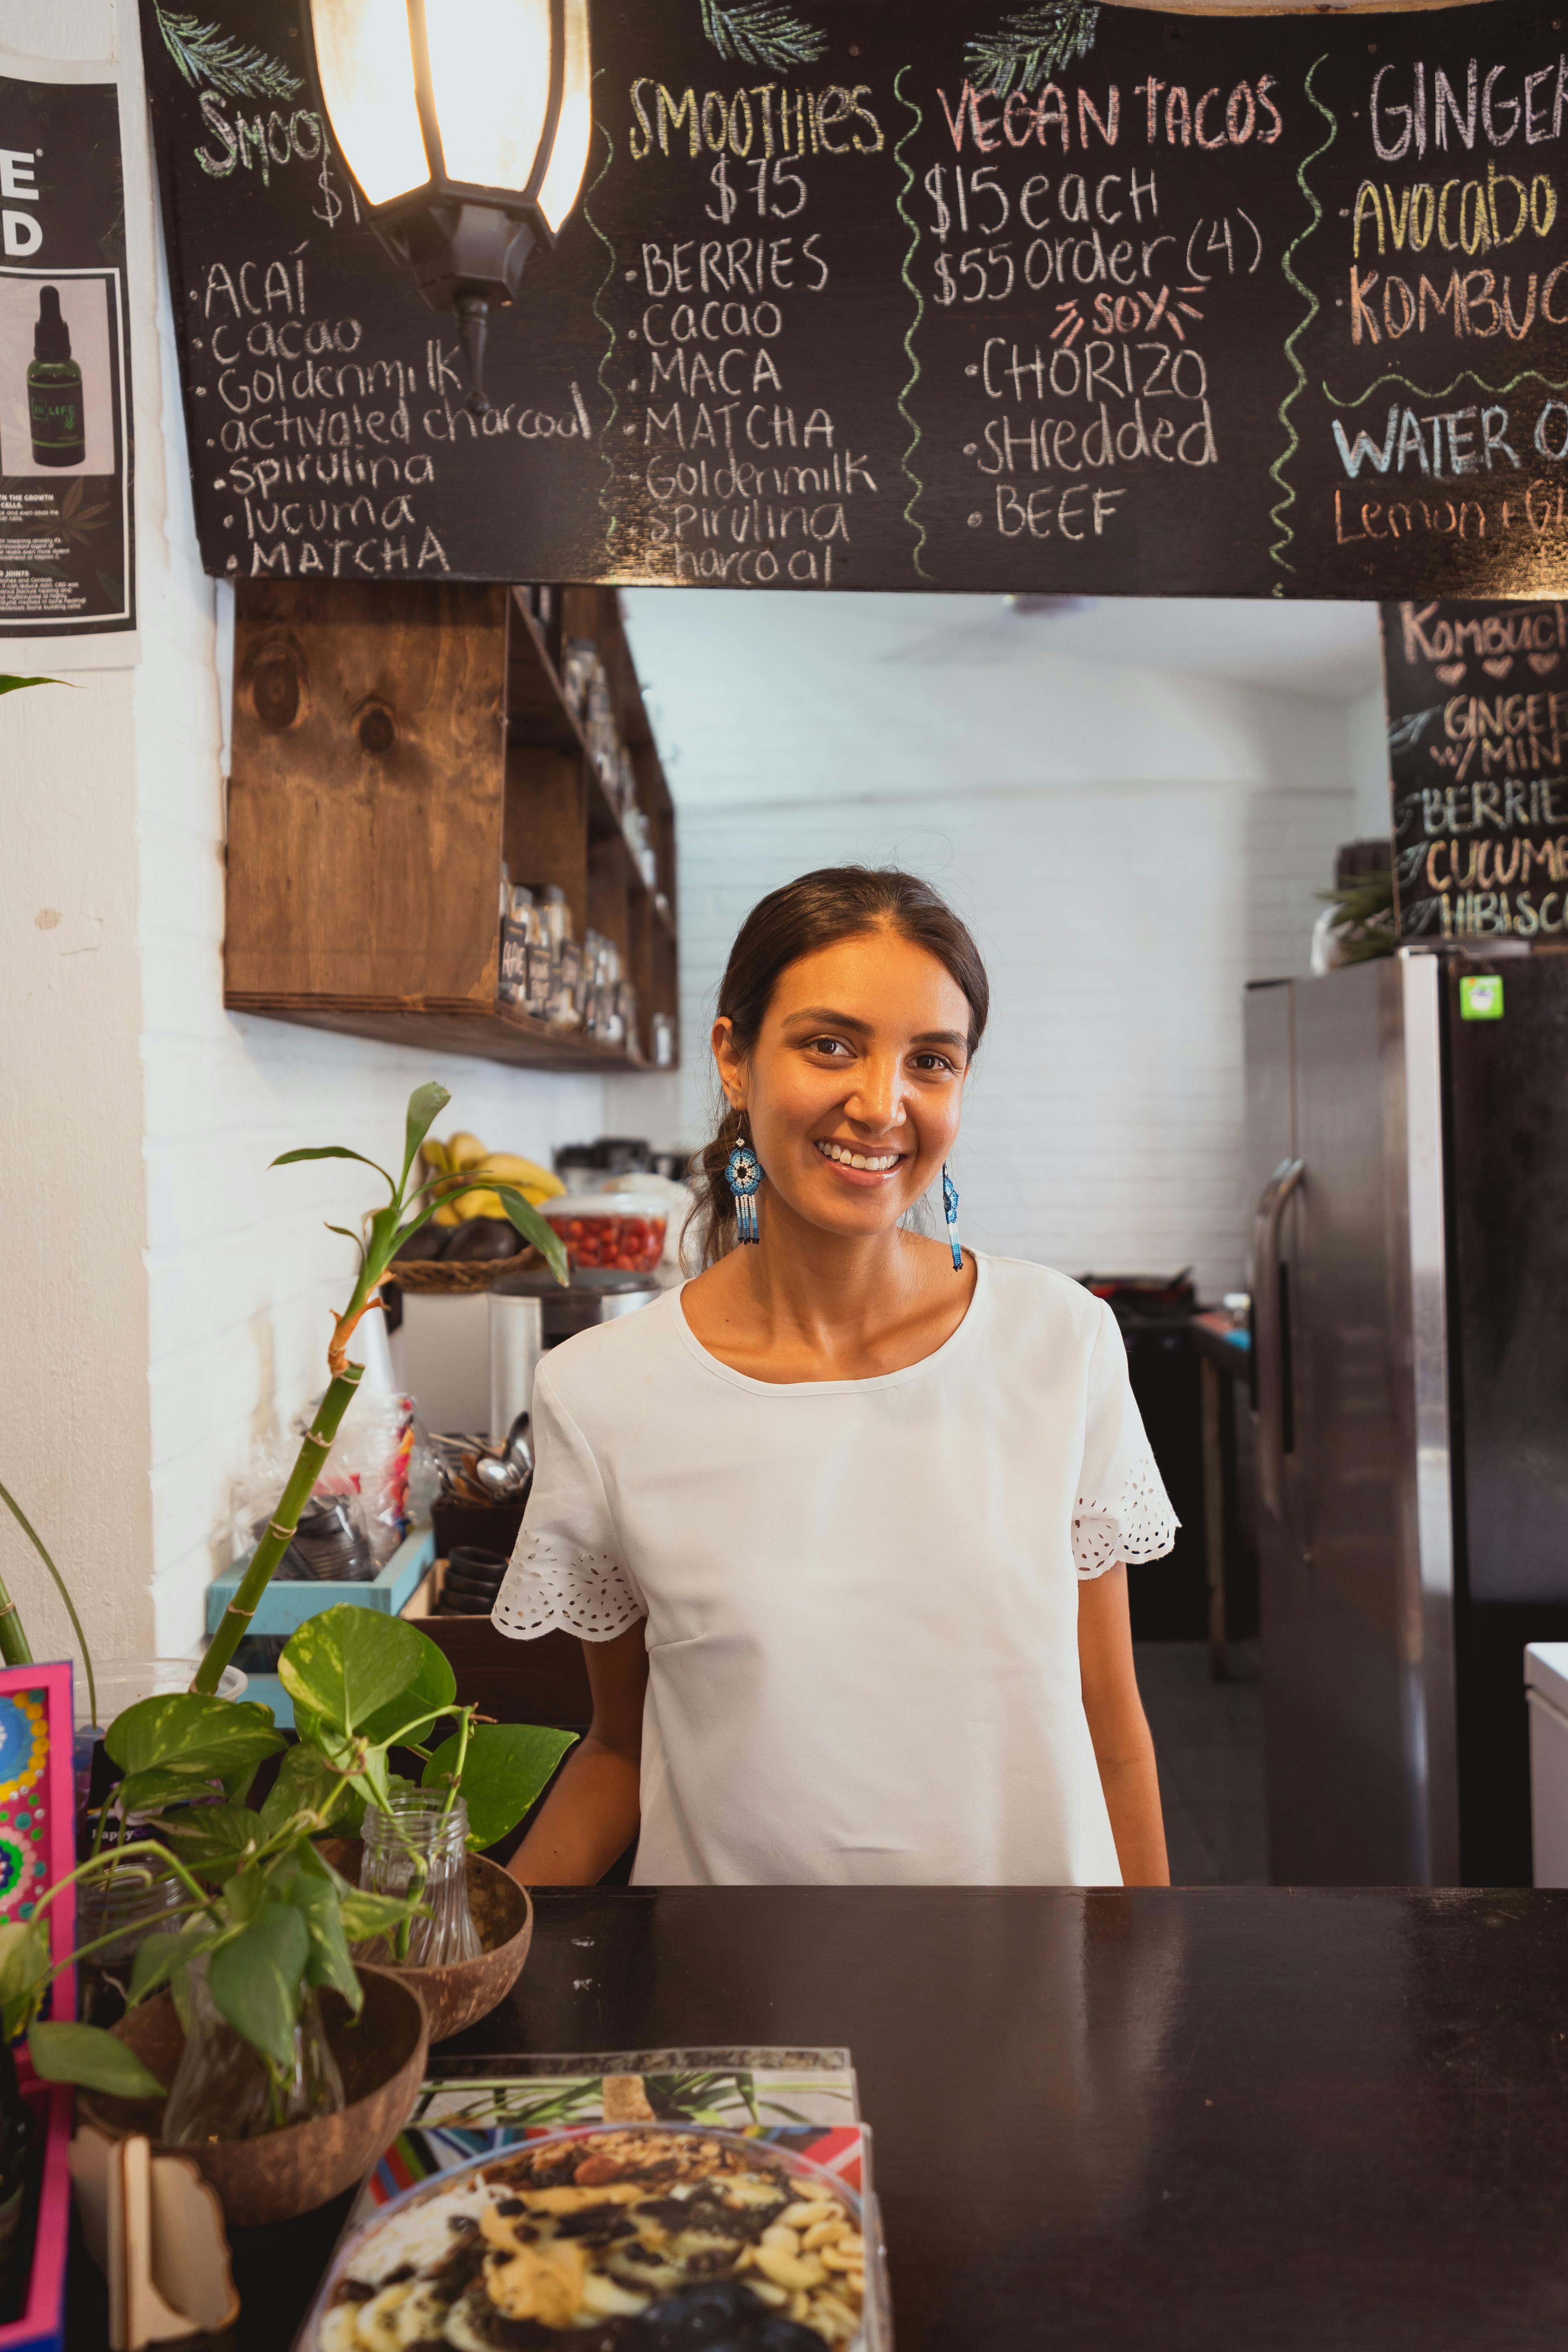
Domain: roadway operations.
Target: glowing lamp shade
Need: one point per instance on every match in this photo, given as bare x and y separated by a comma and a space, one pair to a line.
366, 61
574, 129
466, 124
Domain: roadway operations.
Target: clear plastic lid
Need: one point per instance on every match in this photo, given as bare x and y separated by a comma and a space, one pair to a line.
606, 1204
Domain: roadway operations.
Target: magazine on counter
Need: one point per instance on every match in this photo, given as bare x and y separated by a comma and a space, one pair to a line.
576, 2190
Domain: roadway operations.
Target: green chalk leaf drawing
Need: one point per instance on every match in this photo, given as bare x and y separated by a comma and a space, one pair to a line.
205, 53
1466, 375
908, 180
606, 487
1277, 514
1033, 45
762, 33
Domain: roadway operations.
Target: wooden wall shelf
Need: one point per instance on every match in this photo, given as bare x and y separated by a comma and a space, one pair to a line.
392, 746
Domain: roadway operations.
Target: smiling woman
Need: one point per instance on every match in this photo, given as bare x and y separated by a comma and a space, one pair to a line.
844, 1522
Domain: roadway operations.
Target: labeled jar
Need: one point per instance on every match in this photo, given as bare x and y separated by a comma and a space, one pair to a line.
421, 1847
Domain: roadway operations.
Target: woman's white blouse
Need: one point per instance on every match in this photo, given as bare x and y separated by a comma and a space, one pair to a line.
861, 1596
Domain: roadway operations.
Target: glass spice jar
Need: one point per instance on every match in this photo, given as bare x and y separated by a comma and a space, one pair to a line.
420, 1846
224, 2089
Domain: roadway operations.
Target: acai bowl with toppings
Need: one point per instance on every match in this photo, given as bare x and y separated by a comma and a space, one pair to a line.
651, 2238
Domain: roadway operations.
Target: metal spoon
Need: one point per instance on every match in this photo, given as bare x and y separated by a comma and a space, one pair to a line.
499, 1478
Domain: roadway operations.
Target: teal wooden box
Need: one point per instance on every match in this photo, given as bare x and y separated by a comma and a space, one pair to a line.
282, 1607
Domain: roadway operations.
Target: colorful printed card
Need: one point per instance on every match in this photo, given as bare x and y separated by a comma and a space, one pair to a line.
801, 2099
36, 1806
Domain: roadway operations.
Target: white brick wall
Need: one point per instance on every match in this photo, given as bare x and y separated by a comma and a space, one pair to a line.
1131, 848
1103, 1126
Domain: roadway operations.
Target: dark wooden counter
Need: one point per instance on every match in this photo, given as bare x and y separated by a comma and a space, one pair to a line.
1227, 2120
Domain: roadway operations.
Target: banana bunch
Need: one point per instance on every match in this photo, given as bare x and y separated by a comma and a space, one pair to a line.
465, 1155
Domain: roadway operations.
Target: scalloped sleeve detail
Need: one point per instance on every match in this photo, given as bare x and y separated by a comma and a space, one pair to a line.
1122, 1511
568, 1574
548, 1589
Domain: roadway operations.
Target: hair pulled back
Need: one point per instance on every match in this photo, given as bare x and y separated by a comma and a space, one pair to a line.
820, 911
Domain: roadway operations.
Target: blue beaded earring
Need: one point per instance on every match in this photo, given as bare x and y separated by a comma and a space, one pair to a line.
744, 1175
950, 1210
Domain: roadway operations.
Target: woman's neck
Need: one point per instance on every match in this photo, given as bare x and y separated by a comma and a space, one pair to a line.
809, 1305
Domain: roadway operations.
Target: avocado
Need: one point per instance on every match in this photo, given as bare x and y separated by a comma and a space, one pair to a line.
485, 1237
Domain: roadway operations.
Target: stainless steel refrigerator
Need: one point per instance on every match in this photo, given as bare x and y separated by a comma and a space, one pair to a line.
1407, 1140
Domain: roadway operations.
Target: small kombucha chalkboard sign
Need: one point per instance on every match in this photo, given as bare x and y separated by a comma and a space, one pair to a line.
1478, 739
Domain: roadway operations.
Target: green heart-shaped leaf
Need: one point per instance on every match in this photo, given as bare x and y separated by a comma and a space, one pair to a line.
349, 1661
24, 1967
364, 1915
256, 1979
160, 1954
313, 1891
146, 1792
306, 1784
434, 1687
96, 2060
190, 1731
508, 1766
211, 1839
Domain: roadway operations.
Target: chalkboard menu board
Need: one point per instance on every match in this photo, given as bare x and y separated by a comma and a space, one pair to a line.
1071, 299
1478, 734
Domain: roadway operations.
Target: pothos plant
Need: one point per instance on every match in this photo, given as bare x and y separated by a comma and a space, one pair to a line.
262, 1905
261, 1902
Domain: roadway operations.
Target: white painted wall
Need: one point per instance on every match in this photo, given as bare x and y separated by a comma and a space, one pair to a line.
1129, 845
1367, 720
166, 1295
73, 1396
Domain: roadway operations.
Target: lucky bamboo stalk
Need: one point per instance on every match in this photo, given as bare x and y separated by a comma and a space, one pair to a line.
235, 1622
389, 1229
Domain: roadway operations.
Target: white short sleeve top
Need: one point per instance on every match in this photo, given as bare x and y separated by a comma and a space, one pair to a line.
860, 1596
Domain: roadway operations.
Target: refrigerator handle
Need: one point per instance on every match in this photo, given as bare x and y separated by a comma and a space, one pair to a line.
1271, 1336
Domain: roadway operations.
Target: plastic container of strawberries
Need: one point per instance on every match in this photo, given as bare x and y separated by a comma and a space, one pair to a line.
620, 1231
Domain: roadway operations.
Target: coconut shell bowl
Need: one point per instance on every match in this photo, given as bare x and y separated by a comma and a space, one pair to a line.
458, 1995
382, 2059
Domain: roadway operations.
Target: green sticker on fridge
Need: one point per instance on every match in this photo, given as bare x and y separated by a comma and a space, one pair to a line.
1480, 997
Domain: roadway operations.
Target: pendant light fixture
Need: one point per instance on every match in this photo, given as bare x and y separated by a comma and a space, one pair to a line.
465, 126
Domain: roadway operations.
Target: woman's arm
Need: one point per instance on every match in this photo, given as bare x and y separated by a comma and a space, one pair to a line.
591, 1814
1122, 1747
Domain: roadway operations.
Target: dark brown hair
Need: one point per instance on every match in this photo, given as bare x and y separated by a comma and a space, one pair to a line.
836, 902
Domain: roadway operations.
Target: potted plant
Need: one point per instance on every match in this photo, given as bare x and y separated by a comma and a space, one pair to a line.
244, 1988
413, 1200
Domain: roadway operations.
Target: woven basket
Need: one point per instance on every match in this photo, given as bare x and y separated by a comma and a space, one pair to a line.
463, 1276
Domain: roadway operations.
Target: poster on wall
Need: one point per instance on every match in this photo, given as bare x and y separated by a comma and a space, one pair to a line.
67, 592
1071, 299
1478, 744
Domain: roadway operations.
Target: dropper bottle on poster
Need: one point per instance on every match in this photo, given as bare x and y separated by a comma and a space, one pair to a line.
55, 411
